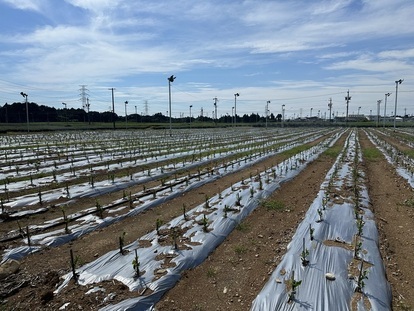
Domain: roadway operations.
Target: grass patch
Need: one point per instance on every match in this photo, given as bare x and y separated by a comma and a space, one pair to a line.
371, 154
409, 202
240, 250
274, 205
409, 153
243, 227
211, 272
333, 152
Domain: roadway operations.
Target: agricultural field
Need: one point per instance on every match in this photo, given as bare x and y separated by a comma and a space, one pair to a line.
217, 219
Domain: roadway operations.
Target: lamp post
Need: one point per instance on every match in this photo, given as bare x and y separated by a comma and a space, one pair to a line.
267, 110
378, 110
311, 112
330, 109
359, 108
191, 106
126, 115
27, 109
235, 109
283, 115
385, 108
136, 114
170, 80
347, 99
396, 92
232, 116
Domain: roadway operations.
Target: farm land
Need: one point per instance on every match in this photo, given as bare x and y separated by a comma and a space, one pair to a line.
202, 220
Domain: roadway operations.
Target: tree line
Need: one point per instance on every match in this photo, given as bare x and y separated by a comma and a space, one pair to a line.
16, 113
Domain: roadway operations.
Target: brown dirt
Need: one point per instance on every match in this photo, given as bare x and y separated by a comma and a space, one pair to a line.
237, 270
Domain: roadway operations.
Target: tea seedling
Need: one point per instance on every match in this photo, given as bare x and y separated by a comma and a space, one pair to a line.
136, 264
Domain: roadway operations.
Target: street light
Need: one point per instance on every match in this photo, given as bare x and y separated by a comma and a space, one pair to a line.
396, 92
378, 110
347, 99
235, 109
136, 114
267, 110
359, 108
232, 115
311, 112
385, 108
283, 115
191, 106
27, 110
170, 80
126, 115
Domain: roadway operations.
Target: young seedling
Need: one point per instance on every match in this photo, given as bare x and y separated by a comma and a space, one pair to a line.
205, 223
40, 196
130, 200
136, 264
320, 213
238, 199
311, 230
357, 248
363, 275
67, 190
122, 243
184, 212
158, 224
28, 237
304, 255
360, 225
294, 284
207, 204
73, 263
66, 221
174, 235
99, 209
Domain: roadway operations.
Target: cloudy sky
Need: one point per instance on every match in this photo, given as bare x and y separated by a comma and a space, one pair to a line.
297, 53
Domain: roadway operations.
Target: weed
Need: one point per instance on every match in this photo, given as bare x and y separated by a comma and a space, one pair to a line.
274, 205
240, 250
243, 227
211, 272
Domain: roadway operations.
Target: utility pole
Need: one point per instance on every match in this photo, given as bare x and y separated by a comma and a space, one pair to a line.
396, 93
347, 98
87, 107
170, 80
378, 110
113, 106
330, 109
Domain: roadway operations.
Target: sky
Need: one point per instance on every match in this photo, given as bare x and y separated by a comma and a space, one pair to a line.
296, 53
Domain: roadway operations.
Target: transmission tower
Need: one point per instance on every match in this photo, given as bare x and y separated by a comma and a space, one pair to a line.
84, 95
146, 107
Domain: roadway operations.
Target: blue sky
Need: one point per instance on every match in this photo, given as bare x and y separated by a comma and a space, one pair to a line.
296, 53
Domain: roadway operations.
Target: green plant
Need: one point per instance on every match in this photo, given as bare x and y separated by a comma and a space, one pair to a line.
320, 213
243, 227
311, 230
304, 255
293, 284
211, 272
238, 199
158, 224
240, 250
184, 214
274, 205
174, 234
360, 225
99, 209
204, 222
207, 204
363, 275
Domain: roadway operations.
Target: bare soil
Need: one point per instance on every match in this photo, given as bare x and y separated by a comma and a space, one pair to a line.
237, 270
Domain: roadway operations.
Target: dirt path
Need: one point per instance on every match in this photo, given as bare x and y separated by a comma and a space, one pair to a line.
392, 201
